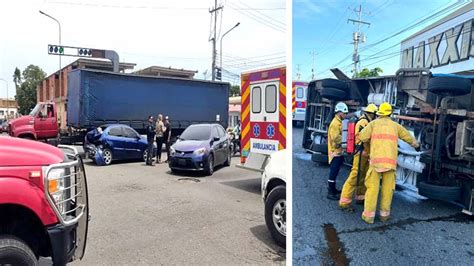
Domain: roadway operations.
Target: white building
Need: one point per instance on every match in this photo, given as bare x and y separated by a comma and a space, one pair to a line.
8, 109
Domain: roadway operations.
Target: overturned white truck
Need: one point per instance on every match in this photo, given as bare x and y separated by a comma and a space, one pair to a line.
438, 109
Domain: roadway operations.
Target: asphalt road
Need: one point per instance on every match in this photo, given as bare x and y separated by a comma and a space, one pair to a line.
146, 215
421, 232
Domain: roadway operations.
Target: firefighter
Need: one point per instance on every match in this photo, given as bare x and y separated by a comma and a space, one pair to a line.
383, 134
335, 156
357, 175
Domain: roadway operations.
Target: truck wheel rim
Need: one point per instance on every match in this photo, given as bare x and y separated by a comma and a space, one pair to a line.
279, 216
107, 156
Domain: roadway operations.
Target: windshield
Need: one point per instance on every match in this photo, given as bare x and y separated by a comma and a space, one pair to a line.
35, 110
196, 133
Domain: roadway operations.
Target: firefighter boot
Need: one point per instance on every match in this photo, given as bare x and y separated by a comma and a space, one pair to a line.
332, 191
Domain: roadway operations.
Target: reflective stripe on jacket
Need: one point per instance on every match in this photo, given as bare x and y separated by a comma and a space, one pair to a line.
334, 138
383, 134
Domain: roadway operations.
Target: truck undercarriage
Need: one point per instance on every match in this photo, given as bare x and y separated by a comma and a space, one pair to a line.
437, 109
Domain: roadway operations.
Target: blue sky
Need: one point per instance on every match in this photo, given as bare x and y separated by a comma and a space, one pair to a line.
321, 27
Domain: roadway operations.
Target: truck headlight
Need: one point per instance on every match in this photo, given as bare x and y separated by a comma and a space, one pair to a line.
200, 151
56, 188
172, 151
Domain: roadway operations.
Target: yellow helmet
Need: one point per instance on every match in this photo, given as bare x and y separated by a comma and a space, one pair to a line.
385, 109
371, 108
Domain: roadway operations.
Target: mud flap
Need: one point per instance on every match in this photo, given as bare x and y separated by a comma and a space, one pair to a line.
255, 162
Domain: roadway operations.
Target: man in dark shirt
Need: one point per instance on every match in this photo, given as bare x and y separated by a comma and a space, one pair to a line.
167, 137
150, 136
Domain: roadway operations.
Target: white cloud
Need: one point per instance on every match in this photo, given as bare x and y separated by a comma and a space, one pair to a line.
146, 32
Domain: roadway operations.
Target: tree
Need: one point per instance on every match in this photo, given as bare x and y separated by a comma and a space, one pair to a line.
235, 90
26, 83
365, 73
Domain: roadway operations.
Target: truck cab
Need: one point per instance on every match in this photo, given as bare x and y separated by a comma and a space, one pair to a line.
44, 209
41, 123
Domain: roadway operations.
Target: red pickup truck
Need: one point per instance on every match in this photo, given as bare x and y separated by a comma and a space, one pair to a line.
44, 209
40, 123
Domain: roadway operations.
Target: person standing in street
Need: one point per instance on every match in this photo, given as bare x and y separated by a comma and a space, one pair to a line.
383, 134
160, 129
150, 136
360, 164
167, 137
335, 155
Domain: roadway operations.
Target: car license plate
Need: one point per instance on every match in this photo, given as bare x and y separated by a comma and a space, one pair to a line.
181, 161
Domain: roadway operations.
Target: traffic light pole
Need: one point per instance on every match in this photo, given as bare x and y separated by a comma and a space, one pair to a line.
60, 68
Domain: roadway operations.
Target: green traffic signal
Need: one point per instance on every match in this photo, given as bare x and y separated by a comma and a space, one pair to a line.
61, 50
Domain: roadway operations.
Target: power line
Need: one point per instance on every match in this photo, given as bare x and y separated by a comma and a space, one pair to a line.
271, 19
406, 28
257, 19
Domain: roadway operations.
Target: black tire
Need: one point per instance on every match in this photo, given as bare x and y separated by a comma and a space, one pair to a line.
335, 83
276, 197
105, 152
320, 158
210, 165
321, 148
13, 251
335, 94
229, 158
443, 193
452, 86
174, 171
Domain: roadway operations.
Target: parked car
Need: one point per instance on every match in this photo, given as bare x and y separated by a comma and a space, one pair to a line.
201, 147
3, 126
118, 142
274, 196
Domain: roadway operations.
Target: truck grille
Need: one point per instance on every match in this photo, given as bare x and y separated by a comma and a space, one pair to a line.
65, 187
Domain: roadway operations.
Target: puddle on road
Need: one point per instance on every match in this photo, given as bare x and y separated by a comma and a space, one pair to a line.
336, 254
188, 180
454, 218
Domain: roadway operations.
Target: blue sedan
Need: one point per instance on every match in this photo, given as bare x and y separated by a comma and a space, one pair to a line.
201, 147
118, 142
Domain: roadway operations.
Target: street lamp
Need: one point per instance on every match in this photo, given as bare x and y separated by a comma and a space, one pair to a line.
60, 83
235, 26
6, 83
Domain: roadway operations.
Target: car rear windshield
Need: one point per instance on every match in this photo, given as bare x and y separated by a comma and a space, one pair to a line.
196, 133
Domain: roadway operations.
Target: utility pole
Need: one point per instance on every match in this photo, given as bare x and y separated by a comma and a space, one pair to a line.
358, 37
214, 39
298, 74
313, 54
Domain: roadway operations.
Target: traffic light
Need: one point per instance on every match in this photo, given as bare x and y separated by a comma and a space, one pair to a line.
218, 73
55, 49
75, 51
84, 52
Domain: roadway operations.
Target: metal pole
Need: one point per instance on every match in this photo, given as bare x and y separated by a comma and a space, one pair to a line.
235, 26
6, 83
60, 74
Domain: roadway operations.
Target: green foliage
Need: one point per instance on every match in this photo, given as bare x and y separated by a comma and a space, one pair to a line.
235, 90
26, 83
365, 73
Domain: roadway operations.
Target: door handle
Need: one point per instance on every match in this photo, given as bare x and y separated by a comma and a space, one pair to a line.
264, 119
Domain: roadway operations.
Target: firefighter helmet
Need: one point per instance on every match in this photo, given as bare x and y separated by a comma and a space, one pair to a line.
371, 108
341, 107
385, 109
